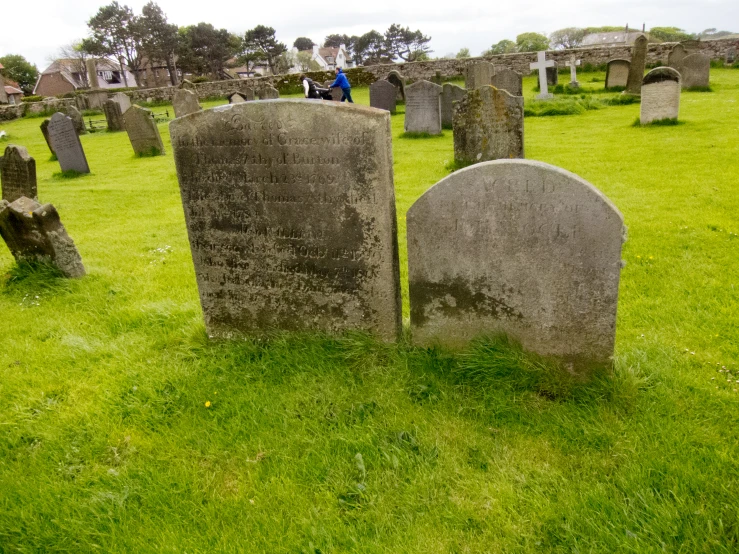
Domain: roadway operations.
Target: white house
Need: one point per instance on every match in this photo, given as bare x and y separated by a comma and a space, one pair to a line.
328, 58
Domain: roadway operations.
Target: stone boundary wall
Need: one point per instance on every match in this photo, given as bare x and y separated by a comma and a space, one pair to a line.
48, 106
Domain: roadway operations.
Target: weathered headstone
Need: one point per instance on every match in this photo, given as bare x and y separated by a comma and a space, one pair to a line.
573, 63
189, 85
124, 101
676, 56
449, 94
65, 143
247, 93
438, 79
423, 108
290, 212
34, 233
235, 98
185, 102
398, 81
637, 65
17, 174
45, 131
113, 115
3, 94
382, 95
696, 71
143, 132
336, 92
509, 80
478, 74
516, 247
660, 95
617, 73
76, 117
488, 125
553, 75
541, 66
268, 93
96, 99
730, 57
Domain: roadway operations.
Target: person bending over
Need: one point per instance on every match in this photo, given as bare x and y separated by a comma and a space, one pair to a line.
343, 83
309, 87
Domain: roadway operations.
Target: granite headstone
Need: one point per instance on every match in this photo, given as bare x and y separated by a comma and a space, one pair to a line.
143, 132
185, 102
660, 96
382, 95
617, 73
124, 101
696, 71
508, 80
449, 94
113, 115
65, 143
478, 74
423, 108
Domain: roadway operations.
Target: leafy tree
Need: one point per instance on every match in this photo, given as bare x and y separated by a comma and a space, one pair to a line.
669, 34
205, 49
569, 37
249, 55
74, 52
531, 42
405, 44
463, 53
159, 38
20, 70
115, 31
505, 46
303, 43
305, 62
604, 29
713, 33
371, 48
285, 62
263, 39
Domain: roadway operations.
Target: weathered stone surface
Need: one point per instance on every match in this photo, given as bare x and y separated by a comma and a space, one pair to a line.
3, 94
637, 65
696, 71
449, 94
189, 85
268, 93
34, 233
185, 102
290, 212
508, 80
398, 81
478, 74
17, 174
45, 131
676, 56
76, 117
516, 247
123, 101
236, 97
660, 95
65, 143
113, 115
92, 72
382, 95
617, 73
553, 75
96, 99
423, 108
336, 92
488, 125
143, 132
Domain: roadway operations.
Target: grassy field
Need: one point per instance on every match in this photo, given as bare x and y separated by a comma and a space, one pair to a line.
123, 429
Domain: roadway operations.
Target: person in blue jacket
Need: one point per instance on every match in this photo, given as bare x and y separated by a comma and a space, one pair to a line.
343, 83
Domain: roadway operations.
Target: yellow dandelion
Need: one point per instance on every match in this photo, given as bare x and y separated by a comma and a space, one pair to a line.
207, 404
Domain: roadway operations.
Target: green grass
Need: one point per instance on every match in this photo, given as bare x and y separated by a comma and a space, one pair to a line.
315, 444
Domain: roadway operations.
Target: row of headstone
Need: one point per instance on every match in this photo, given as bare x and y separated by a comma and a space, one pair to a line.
300, 235
694, 68
479, 74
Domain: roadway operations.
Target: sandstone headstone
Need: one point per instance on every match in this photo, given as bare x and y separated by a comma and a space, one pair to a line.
398, 81
17, 174
660, 95
143, 132
488, 125
34, 233
290, 211
553, 75
382, 96
423, 108
509, 80
65, 143
516, 247
124, 101
235, 98
478, 74
113, 115
617, 73
449, 94
268, 93
637, 65
45, 131
336, 92
676, 56
185, 102
696, 71
542, 65
76, 117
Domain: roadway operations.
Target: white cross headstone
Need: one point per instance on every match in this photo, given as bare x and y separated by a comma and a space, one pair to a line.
541, 65
572, 63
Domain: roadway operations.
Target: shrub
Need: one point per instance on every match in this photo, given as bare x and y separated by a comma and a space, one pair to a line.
32, 98
201, 79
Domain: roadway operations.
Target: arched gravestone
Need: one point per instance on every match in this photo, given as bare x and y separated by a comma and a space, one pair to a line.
398, 81
382, 95
290, 212
423, 108
660, 97
236, 98
268, 93
676, 56
617, 73
478, 74
17, 174
185, 102
488, 125
450, 94
637, 65
508, 80
516, 247
696, 71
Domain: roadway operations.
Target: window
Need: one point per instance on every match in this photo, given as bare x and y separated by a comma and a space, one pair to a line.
329, 59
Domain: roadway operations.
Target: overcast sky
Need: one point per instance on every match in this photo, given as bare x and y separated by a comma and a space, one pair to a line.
36, 30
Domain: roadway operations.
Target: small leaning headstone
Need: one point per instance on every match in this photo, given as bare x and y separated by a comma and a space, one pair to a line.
185, 102
34, 233
449, 95
45, 131
17, 174
660, 95
509, 80
637, 65
143, 132
617, 73
696, 71
382, 95
65, 143
423, 108
113, 115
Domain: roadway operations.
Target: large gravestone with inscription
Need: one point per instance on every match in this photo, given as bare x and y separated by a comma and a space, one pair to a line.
695, 72
34, 233
66, 144
382, 95
478, 74
113, 115
516, 247
488, 125
637, 65
17, 174
660, 95
508, 80
449, 95
423, 108
617, 73
143, 132
185, 102
290, 212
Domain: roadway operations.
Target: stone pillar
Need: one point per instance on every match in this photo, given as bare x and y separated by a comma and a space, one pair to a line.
92, 73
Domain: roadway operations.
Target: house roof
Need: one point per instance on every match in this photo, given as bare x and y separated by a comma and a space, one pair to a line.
330, 51
12, 90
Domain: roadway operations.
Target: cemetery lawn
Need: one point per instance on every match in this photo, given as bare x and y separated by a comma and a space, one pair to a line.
123, 429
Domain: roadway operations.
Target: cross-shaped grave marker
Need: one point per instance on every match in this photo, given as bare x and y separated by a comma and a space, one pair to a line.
541, 65
572, 63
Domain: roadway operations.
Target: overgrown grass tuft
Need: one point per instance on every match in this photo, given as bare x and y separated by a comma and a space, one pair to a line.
409, 135
667, 122
69, 174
